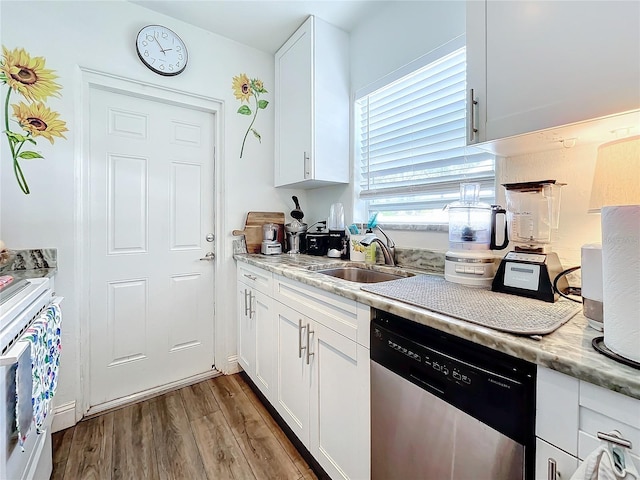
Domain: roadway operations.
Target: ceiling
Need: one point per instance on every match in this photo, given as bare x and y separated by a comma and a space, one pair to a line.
262, 24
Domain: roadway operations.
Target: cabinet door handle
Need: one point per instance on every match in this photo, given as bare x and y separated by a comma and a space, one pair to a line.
472, 116
246, 304
309, 353
552, 469
300, 347
250, 277
307, 165
252, 297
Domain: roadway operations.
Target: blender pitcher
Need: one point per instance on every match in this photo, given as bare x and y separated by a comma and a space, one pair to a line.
533, 211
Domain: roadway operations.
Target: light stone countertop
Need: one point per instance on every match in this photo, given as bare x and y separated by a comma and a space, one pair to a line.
567, 350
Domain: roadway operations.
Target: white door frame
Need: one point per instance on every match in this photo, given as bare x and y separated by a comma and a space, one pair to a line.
88, 79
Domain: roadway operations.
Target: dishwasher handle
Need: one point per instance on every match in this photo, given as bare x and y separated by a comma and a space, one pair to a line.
428, 385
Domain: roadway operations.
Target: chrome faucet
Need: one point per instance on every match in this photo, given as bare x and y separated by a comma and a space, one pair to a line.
388, 249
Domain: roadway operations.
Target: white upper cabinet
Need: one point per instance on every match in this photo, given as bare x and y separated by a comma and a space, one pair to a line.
312, 107
535, 65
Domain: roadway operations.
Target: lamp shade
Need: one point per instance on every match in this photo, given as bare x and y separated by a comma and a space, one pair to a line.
616, 180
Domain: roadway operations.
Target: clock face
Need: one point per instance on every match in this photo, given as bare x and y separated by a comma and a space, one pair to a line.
161, 50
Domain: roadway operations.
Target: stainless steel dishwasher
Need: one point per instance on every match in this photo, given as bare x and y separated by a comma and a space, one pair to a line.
445, 408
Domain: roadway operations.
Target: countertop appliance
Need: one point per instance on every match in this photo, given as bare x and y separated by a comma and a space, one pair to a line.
270, 244
296, 233
445, 408
318, 241
472, 236
533, 212
337, 236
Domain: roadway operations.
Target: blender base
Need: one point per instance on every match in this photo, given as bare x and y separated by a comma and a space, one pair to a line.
530, 275
471, 268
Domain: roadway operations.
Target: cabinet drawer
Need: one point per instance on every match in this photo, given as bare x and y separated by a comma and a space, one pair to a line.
333, 311
557, 409
587, 443
603, 410
254, 277
565, 464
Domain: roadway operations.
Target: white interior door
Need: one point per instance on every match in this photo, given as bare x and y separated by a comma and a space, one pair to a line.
151, 209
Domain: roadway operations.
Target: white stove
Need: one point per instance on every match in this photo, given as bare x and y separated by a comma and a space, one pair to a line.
20, 305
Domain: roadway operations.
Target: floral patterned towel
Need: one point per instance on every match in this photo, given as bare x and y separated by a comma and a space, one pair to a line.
44, 336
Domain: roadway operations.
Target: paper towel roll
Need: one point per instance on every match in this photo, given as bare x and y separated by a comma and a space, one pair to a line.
621, 279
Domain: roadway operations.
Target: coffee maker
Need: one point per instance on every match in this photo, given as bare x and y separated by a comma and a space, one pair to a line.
337, 236
270, 244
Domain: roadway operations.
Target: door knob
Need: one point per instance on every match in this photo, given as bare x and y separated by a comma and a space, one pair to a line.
208, 256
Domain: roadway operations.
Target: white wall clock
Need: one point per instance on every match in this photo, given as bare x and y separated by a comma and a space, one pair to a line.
162, 50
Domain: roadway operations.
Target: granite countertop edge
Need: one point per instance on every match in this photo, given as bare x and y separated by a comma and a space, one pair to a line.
567, 350
19, 275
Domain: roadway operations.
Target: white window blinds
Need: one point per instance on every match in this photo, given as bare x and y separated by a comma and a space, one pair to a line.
412, 144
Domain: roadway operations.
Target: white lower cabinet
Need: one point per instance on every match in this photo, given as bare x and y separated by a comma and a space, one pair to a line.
256, 329
570, 413
319, 376
339, 404
553, 463
293, 374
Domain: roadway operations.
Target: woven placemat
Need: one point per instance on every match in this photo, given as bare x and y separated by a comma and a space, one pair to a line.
508, 313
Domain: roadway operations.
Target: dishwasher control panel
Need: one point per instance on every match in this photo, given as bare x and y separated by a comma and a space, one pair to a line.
433, 363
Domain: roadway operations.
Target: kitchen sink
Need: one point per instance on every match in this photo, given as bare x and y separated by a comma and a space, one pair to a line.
362, 275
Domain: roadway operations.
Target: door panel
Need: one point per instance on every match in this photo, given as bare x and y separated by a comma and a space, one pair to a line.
127, 203
265, 355
340, 405
151, 206
293, 372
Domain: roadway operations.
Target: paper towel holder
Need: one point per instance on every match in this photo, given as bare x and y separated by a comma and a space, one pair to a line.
599, 345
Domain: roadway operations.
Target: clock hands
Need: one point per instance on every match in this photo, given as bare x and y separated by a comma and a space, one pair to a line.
155, 35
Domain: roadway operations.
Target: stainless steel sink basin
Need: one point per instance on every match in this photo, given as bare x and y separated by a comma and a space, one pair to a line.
361, 275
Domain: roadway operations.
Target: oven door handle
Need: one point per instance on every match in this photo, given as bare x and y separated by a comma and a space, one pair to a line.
13, 355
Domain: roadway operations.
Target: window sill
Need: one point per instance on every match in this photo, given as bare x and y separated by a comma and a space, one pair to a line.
417, 227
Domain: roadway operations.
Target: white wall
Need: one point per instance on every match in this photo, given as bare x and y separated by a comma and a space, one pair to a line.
101, 36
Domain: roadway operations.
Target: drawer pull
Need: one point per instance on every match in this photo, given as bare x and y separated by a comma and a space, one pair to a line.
552, 470
250, 277
615, 437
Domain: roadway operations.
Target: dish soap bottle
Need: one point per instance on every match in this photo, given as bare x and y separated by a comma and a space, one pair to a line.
370, 251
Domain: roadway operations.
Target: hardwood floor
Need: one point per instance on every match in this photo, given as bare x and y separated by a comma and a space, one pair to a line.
216, 429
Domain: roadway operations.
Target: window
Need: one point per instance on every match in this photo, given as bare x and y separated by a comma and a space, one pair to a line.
410, 138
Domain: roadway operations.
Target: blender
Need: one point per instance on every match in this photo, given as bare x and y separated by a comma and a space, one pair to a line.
337, 236
533, 211
472, 236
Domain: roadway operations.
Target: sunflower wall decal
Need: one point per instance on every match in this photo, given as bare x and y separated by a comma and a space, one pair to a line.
28, 77
244, 90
